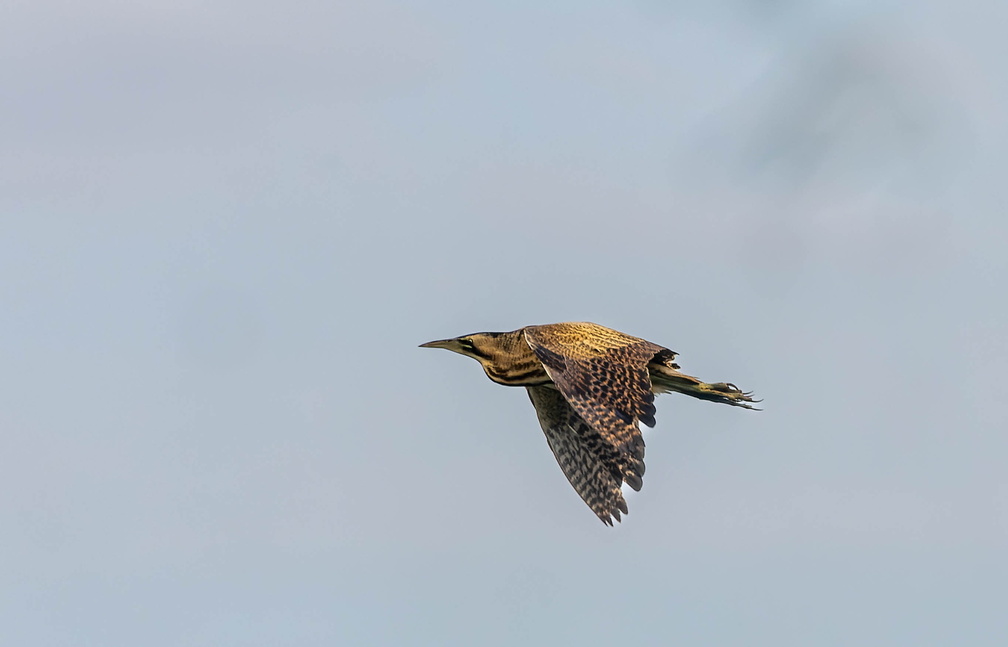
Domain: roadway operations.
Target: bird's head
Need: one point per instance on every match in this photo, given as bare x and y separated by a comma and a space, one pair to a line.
481, 346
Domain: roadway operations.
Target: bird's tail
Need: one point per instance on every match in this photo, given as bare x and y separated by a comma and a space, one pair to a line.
665, 379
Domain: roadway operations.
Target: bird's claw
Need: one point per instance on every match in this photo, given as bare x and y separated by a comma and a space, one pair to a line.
734, 395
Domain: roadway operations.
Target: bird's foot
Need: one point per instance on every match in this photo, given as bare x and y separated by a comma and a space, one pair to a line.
728, 393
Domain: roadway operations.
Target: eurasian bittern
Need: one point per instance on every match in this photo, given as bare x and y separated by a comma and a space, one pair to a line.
590, 386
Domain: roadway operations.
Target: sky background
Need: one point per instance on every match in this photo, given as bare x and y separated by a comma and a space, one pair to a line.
226, 226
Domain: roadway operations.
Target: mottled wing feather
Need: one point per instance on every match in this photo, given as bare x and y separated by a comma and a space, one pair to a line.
582, 454
603, 375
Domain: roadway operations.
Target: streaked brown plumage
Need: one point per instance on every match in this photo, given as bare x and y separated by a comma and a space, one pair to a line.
591, 386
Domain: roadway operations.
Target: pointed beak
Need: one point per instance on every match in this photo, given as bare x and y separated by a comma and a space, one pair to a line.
441, 343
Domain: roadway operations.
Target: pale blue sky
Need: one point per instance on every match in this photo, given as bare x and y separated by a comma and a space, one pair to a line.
225, 227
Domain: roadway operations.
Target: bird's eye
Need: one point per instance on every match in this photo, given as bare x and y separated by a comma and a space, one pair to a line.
466, 344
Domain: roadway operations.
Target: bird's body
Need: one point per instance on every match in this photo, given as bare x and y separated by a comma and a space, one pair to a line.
591, 386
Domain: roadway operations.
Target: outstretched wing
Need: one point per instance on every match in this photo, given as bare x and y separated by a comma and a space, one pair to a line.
590, 464
603, 375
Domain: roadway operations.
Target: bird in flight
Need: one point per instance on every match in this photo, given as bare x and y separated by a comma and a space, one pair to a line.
590, 386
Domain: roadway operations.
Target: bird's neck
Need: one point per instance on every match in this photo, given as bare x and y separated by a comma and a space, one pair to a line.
514, 364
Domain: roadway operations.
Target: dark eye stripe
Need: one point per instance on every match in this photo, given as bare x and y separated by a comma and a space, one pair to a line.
470, 348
